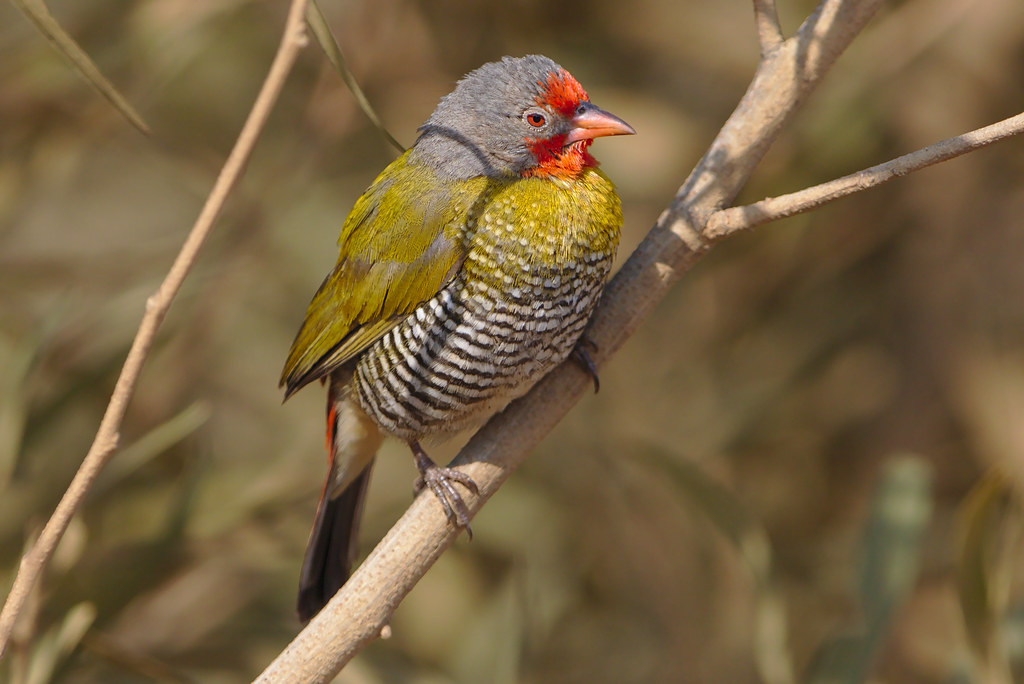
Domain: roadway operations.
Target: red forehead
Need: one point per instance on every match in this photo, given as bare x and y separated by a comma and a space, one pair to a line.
562, 93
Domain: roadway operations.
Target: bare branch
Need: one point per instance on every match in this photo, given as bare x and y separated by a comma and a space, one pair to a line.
728, 221
769, 30
363, 606
107, 436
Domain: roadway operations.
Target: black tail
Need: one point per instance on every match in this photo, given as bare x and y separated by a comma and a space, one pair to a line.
332, 546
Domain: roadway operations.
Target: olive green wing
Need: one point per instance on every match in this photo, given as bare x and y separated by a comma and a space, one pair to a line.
400, 245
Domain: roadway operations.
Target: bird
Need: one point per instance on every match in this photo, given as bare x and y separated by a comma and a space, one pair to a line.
466, 272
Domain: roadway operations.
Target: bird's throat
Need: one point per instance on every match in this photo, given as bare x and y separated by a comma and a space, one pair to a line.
555, 159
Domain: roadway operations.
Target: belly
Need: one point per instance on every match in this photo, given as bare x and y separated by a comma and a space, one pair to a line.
468, 351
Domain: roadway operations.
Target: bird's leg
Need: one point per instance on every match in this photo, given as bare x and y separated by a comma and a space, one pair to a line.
442, 482
581, 355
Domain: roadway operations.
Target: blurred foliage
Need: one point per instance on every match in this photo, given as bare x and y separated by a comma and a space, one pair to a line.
731, 508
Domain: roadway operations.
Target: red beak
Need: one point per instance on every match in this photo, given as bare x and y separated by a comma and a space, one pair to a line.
592, 122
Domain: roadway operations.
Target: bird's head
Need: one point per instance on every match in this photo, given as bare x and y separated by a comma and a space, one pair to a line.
523, 116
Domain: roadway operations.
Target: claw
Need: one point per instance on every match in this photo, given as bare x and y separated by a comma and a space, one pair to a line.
441, 482
582, 357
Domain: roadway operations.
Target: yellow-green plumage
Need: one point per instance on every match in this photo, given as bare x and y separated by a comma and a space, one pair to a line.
399, 245
411, 234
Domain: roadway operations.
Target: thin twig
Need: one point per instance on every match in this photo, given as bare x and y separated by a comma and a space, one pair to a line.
62, 41
329, 44
769, 30
726, 222
107, 435
363, 606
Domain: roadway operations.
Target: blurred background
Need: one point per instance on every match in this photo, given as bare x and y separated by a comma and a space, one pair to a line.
804, 467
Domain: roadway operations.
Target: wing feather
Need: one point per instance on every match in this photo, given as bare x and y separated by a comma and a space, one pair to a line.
401, 244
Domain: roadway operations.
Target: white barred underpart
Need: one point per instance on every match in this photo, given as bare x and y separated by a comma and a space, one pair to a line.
471, 348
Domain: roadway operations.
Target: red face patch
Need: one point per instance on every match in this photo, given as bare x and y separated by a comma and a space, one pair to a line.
562, 93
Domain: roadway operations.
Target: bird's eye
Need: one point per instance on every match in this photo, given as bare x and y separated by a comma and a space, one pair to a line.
535, 119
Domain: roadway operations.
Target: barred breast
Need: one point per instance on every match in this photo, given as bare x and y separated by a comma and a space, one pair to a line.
469, 349
509, 317
537, 259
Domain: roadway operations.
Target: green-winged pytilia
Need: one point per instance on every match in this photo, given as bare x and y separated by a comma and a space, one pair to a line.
467, 271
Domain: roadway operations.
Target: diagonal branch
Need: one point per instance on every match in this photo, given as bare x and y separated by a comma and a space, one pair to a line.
105, 442
363, 606
726, 222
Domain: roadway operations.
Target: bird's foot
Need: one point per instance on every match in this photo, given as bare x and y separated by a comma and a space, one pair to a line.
581, 355
441, 482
